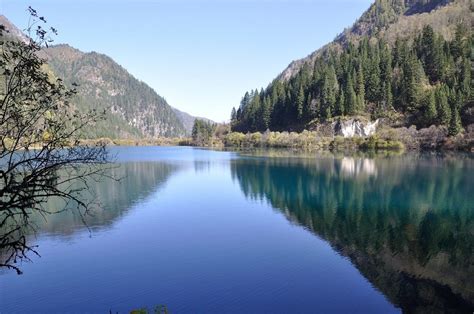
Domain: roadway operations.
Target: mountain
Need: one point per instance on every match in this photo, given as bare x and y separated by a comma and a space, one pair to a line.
188, 120
132, 108
389, 19
408, 61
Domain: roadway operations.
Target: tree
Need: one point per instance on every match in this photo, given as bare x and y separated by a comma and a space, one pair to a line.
36, 112
430, 112
266, 113
340, 104
350, 97
329, 92
360, 89
300, 103
233, 115
455, 123
443, 109
429, 52
202, 132
373, 80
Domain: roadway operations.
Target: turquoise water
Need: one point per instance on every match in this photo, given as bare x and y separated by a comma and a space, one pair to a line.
203, 231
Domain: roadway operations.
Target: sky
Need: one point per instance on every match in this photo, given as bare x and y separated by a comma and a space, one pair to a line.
200, 55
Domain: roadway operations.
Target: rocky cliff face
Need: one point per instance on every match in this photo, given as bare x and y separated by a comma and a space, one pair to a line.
355, 127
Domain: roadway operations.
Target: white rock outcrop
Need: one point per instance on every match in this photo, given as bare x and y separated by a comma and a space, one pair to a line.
355, 127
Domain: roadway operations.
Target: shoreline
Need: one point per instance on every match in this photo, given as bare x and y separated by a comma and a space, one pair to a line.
394, 139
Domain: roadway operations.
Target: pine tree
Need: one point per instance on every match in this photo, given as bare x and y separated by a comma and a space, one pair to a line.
328, 95
429, 52
266, 113
360, 89
300, 103
340, 104
373, 80
386, 78
350, 98
430, 112
413, 77
455, 123
443, 109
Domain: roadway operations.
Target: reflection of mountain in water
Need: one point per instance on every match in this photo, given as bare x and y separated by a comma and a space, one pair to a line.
406, 223
136, 180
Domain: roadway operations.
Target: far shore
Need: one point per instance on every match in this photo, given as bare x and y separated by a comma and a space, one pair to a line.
395, 140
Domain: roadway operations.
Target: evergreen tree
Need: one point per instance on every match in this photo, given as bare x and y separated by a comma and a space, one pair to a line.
328, 95
373, 80
350, 98
386, 78
443, 109
429, 52
455, 122
340, 104
413, 77
360, 89
266, 113
300, 103
430, 112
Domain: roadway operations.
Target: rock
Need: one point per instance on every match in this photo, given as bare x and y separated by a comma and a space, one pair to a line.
355, 127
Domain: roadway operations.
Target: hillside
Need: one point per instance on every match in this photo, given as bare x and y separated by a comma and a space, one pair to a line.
389, 19
188, 120
132, 108
406, 61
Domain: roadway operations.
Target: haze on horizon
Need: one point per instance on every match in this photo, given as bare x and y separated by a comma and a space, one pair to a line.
200, 55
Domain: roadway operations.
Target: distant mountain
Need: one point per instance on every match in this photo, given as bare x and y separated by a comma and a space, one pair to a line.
405, 60
133, 109
188, 120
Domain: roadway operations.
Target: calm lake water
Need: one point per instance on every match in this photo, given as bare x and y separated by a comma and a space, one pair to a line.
204, 231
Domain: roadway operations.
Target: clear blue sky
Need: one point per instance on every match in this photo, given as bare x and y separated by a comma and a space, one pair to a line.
201, 55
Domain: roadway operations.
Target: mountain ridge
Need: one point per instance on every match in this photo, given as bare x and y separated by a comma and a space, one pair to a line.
360, 28
133, 109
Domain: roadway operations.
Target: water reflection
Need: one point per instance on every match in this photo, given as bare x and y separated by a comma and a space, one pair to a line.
109, 200
134, 182
351, 166
405, 222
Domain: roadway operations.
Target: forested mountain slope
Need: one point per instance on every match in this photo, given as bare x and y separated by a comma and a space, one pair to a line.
408, 61
132, 108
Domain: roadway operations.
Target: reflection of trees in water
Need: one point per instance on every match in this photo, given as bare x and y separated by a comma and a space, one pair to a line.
136, 180
113, 198
405, 222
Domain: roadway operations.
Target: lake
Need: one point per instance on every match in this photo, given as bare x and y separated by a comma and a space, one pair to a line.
204, 231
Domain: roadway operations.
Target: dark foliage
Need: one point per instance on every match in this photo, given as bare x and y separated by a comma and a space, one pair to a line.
426, 78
